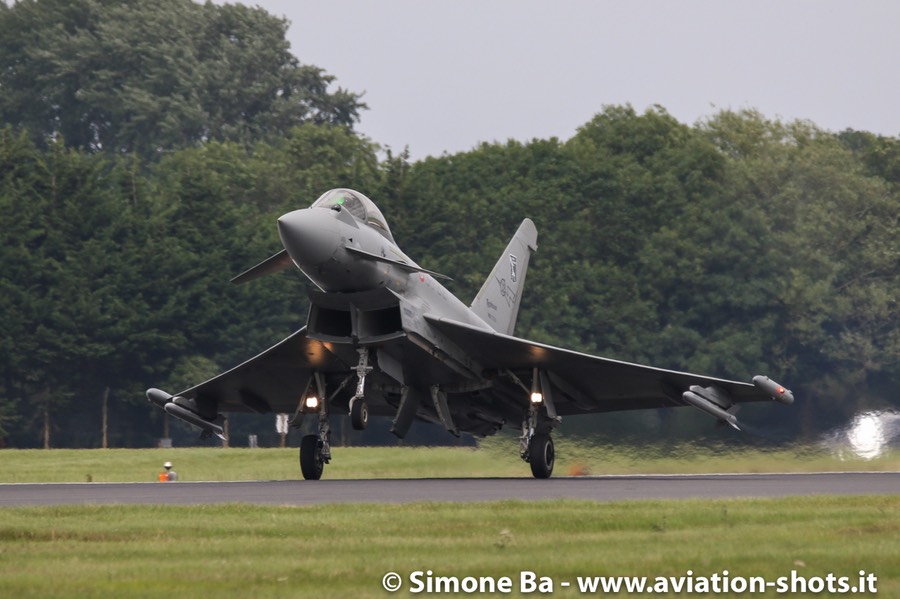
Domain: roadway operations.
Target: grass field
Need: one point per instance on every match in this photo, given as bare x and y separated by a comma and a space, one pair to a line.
325, 551
345, 550
495, 457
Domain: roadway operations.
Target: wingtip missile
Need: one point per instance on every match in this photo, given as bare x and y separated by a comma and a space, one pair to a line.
778, 392
203, 424
166, 401
705, 405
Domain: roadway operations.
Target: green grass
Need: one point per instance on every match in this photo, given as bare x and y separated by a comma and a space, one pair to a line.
495, 457
344, 550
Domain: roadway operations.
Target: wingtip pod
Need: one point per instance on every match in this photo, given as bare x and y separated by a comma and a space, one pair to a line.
778, 392
158, 397
166, 401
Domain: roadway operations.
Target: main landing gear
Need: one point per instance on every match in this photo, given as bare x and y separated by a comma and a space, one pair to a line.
315, 450
536, 444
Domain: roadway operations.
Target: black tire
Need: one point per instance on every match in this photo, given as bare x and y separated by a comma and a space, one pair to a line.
359, 414
541, 455
311, 463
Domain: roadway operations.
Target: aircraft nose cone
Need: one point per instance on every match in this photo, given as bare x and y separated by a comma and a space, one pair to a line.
309, 236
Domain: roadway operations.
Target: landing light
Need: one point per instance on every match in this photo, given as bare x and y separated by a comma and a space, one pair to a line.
312, 403
537, 398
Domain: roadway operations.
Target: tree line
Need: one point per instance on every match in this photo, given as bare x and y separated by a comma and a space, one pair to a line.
736, 246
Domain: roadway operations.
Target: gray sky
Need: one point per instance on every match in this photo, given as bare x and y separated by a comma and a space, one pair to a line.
444, 76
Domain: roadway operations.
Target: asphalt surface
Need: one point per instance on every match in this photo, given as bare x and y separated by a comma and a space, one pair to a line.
599, 488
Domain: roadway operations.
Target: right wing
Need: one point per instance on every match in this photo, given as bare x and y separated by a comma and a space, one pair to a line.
271, 381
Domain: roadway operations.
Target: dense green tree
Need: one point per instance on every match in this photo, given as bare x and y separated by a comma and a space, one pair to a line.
833, 238
738, 246
310, 159
879, 154
153, 76
18, 221
65, 232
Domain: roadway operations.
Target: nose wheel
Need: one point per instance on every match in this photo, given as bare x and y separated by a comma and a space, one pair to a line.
359, 413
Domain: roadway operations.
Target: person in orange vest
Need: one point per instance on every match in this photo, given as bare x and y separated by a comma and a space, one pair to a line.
169, 475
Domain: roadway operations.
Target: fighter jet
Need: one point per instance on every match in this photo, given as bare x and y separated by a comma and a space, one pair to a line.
385, 338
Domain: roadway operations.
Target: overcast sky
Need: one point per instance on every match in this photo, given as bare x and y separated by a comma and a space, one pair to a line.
443, 76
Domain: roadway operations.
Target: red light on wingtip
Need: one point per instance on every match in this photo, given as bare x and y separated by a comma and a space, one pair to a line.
780, 390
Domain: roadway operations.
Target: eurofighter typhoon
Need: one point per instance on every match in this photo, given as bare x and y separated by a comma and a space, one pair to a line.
385, 338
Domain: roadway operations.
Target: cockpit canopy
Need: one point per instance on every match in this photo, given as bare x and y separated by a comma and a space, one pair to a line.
361, 207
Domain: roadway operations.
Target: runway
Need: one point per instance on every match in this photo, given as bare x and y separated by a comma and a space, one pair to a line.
597, 488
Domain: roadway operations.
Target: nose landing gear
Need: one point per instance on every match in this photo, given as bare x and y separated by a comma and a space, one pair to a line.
359, 411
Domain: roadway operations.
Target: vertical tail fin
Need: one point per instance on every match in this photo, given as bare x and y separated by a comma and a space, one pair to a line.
498, 301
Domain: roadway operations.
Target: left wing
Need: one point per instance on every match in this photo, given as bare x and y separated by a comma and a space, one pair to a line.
584, 384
